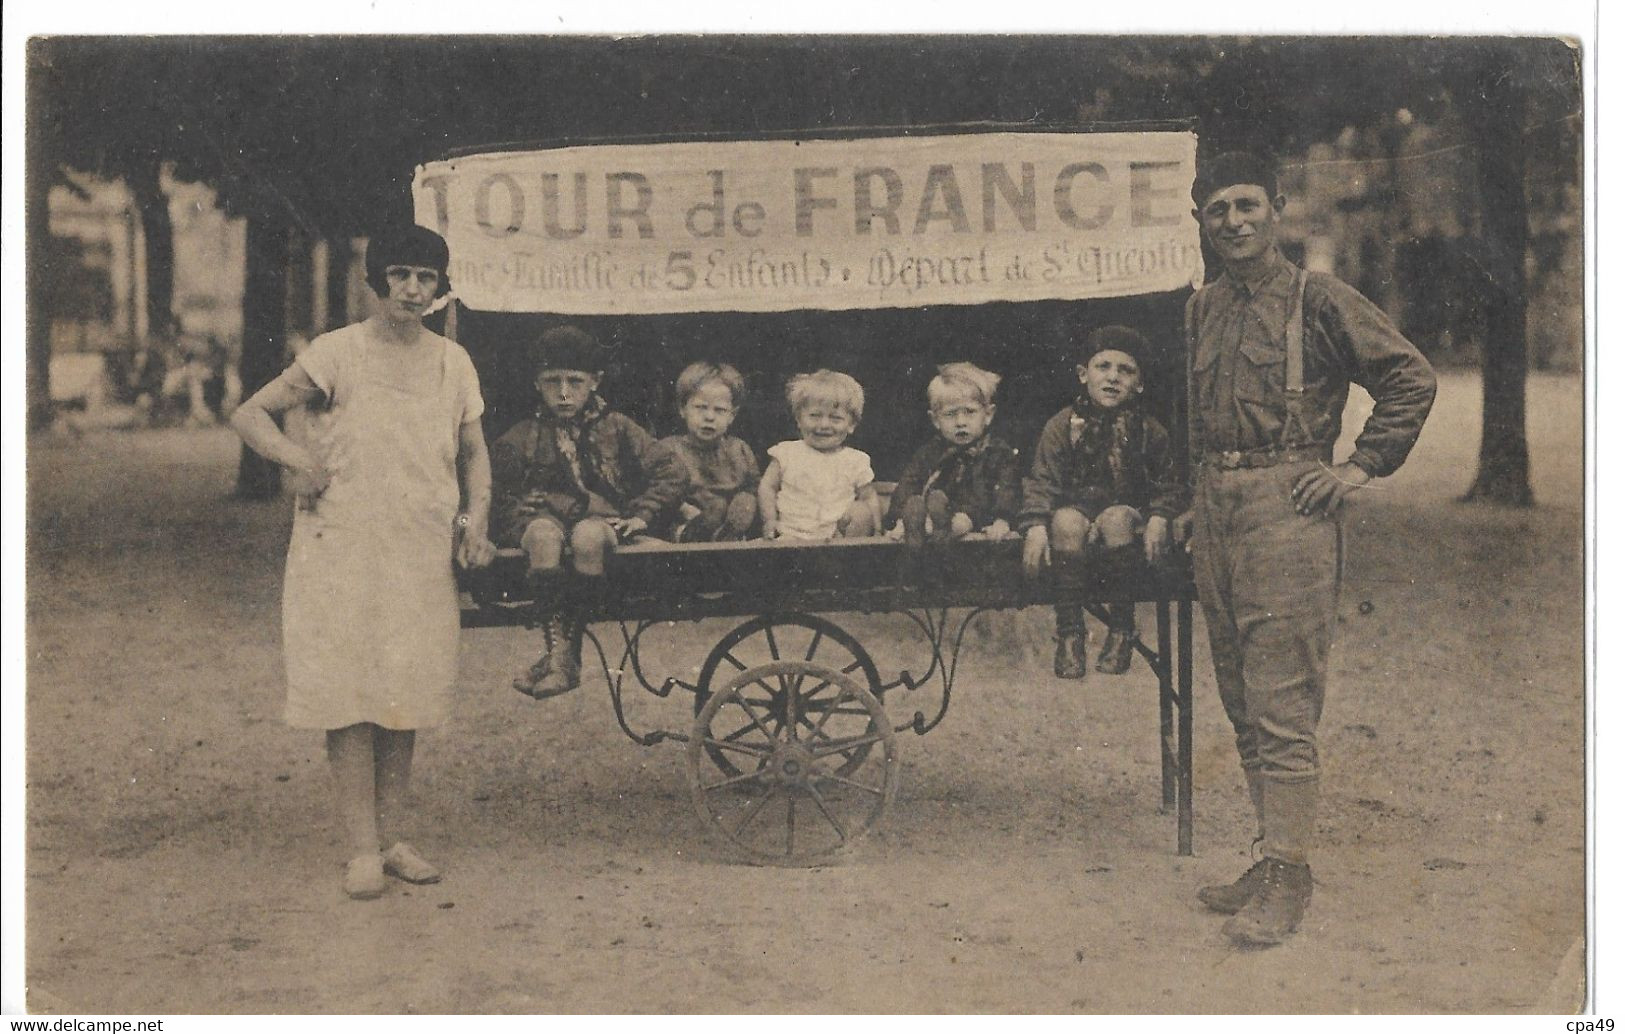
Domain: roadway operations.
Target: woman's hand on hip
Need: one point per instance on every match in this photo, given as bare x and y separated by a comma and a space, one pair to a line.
474, 549
310, 478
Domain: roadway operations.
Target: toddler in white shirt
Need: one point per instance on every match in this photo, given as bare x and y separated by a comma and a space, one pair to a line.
817, 488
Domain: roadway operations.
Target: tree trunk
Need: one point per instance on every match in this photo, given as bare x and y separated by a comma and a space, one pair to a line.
1503, 456
159, 233
37, 238
38, 326
265, 319
301, 287
338, 284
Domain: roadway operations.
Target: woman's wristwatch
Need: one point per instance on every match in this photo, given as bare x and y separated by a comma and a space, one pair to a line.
461, 522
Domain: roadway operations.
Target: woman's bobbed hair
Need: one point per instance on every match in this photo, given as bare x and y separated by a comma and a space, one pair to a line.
406, 246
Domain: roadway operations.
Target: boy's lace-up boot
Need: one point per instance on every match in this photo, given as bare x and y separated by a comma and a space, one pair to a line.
1117, 652
1071, 643
564, 673
533, 677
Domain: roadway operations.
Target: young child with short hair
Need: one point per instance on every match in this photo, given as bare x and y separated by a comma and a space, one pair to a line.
572, 481
819, 488
1102, 476
718, 500
966, 481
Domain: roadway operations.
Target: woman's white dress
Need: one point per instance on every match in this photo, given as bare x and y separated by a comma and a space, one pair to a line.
369, 603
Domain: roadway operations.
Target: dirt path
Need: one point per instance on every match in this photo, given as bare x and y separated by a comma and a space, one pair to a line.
179, 855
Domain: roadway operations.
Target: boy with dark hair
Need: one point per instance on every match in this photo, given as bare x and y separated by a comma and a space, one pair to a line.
1102, 476
573, 480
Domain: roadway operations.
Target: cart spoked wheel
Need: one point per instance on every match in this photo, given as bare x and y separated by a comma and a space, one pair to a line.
799, 793
779, 637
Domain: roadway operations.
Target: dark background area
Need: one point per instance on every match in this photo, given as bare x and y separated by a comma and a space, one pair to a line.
893, 353
1438, 175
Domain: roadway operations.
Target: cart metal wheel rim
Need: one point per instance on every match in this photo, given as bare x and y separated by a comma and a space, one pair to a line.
826, 634
797, 805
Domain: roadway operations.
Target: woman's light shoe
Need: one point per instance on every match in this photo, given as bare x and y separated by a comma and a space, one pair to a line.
403, 863
364, 877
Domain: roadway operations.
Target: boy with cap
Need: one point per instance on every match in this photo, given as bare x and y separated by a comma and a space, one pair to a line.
1102, 475
576, 474
1272, 351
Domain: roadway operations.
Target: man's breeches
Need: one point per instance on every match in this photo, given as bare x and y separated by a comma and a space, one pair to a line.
1269, 580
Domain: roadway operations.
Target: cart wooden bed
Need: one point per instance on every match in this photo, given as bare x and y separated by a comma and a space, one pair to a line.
792, 753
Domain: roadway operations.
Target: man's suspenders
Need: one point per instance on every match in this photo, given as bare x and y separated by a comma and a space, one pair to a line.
1294, 368
1294, 419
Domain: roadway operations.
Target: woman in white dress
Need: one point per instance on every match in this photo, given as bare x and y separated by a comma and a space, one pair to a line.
395, 483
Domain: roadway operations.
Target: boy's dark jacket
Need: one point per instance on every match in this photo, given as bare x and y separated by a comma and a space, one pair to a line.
531, 475
1092, 457
981, 480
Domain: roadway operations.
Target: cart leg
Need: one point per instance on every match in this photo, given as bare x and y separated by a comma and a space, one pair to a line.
1185, 701
1165, 705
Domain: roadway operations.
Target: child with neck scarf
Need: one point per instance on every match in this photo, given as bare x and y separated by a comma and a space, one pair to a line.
1102, 487
573, 481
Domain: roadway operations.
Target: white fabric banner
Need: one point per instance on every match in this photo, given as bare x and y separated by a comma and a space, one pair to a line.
768, 226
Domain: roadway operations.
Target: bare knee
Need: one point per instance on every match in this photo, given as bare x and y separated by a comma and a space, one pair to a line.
543, 542
1068, 530
740, 515
1118, 525
858, 521
590, 541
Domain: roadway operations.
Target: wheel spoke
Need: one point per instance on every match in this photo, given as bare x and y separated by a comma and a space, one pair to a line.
817, 732
790, 825
735, 661
846, 743
844, 781
742, 748
812, 648
823, 807
744, 706
819, 728
743, 777
738, 732
772, 694
816, 689
792, 712
773, 649
756, 808
842, 710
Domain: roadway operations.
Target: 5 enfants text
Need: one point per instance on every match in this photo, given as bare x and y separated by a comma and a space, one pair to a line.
1079, 196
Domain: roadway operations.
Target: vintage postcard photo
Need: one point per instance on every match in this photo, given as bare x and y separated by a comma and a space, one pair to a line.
926, 523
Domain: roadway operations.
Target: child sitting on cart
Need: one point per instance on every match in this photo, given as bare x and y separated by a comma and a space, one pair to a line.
965, 482
818, 488
1102, 475
718, 501
572, 481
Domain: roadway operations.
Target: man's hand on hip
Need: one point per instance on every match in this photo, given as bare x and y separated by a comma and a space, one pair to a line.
1322, 490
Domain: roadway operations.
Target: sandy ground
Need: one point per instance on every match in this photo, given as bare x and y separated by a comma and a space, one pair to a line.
180, 857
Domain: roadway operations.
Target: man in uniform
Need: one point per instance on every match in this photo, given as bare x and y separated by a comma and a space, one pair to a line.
1273, 350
